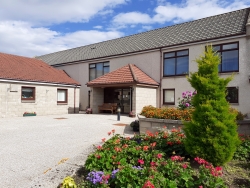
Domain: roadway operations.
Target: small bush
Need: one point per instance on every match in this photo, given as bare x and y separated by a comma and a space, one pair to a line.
243, 150
167, 113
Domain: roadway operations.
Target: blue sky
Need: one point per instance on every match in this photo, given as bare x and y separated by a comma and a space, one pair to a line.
36, 27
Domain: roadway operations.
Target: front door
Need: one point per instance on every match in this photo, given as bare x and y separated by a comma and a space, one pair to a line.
121, 96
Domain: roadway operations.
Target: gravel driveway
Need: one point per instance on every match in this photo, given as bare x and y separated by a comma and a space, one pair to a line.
40, 151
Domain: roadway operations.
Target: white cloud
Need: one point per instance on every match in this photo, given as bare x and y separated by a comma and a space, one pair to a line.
21, 38
98, 27
46, 12
195, 9
185, 11
132, 18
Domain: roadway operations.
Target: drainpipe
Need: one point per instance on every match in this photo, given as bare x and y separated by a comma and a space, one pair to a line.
161, 70
75, 99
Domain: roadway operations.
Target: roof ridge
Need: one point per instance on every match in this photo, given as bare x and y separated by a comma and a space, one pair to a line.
132, 71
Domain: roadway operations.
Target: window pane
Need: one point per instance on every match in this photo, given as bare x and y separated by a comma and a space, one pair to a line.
106, 64
91, 74
169, 96
182, 65
232, 94
169, 66
92, 66
99, 69
230, 46
61, 95
105, 70
27, 93
230, 61
171, 54
184, 52
216, 48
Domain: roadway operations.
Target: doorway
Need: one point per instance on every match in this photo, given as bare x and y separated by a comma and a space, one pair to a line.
121, 96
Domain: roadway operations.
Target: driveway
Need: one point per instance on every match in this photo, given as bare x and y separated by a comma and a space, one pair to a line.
40, 151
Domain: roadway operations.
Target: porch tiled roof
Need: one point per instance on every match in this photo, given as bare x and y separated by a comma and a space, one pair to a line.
13, 67
213, 27
129, 74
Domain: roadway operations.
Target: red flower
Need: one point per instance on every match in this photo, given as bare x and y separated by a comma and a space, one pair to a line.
153, 163
145, 148
118, 163
125, 146
140, 161
159, 155
103, 140
113, 131
99, 147
118, 149
153, 144
200, 186
109, 133
184, 166
148, 184
169, 143
98, 156
176, 158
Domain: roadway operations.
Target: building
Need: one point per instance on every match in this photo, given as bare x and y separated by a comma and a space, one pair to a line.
31, 85
164, 55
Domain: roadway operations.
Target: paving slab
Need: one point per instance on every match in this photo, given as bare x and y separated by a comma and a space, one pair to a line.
40, 151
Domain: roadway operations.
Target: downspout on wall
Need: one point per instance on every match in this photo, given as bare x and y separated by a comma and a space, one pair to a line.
161, 70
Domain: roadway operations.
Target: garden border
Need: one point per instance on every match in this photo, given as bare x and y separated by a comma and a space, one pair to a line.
154, 125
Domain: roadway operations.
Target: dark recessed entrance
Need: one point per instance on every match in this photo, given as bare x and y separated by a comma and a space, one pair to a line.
121, 96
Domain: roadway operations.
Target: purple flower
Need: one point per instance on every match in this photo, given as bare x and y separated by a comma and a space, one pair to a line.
95, 177
187, 104
114, 172
195, 92
137, 167
184, 94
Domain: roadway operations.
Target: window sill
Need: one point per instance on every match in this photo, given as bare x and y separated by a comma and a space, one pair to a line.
236, 104
28, 101
228, 73
62, 103
182, 75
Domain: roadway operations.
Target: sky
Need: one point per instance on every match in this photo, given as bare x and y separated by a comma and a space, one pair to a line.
36, 27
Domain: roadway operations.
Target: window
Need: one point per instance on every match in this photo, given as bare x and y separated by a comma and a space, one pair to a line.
229, 57
232, 94
175, 63
28, 93
168, 96
62, 95
98, 69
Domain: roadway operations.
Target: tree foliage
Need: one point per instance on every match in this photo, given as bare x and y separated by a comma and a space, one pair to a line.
212, 132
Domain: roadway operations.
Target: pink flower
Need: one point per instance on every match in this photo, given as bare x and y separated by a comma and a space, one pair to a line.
187, 104
176, 158
140, 161
200, 186
153, 163
159, 155
184, 166
109, 133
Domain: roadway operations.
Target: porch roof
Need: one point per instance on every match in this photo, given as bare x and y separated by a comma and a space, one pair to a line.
127, 75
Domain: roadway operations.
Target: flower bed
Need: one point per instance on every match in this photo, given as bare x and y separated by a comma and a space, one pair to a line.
151, 160
29, 114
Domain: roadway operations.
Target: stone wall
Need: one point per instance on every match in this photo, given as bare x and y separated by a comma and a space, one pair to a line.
154, 125
96, 98
142, 97
45, 102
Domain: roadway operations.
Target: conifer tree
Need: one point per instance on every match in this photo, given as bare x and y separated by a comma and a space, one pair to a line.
212, 132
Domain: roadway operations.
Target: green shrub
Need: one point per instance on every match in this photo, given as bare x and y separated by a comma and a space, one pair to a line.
212, 131
243, 151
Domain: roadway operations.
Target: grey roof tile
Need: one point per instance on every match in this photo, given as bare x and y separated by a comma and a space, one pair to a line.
219, 26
